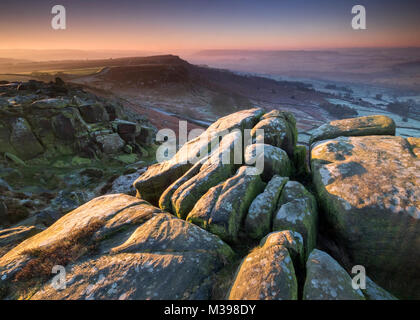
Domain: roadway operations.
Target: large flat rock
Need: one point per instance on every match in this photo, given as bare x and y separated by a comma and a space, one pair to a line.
361, 126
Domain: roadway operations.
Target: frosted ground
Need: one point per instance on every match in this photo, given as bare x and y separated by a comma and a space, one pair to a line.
367, 93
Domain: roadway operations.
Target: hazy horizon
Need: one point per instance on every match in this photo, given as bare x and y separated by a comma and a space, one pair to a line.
33, 54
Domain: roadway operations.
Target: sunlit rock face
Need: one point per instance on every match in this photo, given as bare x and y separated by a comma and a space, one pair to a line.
12, 236
276, 160
154, 182
216, 194
229, 205
362, 126
279, 130
369, 191
117, 247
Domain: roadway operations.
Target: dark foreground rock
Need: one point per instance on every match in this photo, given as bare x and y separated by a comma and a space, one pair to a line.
117, 247
375, 292
327, 280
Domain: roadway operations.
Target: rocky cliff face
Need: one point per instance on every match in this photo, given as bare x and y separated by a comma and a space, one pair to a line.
59, 147
289, 233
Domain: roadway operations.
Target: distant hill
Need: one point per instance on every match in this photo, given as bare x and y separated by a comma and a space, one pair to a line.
69, 54
6, 61
31, 66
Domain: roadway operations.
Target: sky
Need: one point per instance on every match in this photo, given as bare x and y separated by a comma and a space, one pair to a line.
177, 25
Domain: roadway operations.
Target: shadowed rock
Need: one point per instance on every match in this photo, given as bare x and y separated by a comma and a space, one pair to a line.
279, 130
165, 201
327, 280
23, 140
298, 212
292, 241
151, 184
260, 213
375, 292
93, 113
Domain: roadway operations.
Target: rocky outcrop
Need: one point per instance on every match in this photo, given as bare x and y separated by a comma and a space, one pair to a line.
327, 280
153, 182
218, 167
368, 189
40, 121
258, 222
117, 247
267, 273
207, 191
120, 247
298, 212
279, 130
362, 126
275, 160
222, 209
50, 133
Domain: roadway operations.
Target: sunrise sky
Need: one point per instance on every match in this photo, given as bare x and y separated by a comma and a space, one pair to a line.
174, 25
